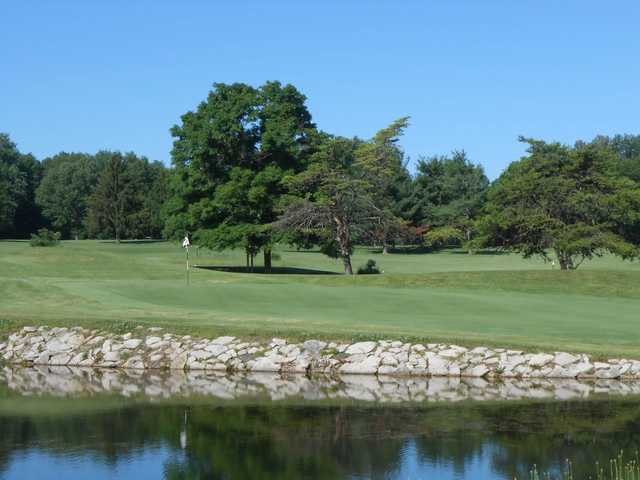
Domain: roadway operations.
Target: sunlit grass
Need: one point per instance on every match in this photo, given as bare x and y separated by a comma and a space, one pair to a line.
450, 296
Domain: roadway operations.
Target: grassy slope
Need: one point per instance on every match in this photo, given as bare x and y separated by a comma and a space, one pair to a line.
479, 299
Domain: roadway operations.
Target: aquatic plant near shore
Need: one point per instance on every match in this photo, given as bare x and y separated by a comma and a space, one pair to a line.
619, 468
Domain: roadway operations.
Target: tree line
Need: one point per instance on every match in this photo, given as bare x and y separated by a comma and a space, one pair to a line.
250, 169
106, 195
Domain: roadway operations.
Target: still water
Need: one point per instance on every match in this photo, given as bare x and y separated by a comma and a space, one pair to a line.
65, 424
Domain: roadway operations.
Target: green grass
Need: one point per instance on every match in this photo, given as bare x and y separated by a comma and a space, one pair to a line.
450, 296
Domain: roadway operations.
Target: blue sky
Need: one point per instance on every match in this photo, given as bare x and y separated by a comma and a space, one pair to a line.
473, 75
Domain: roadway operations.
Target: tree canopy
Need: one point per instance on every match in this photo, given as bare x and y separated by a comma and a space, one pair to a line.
230, 156
127, 199
20, 175
332, 199
570, 201
447, 196
380, 162
63, 194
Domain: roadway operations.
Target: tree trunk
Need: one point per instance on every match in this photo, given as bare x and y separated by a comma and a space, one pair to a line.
252, 257
246, 252
267, 260
342, 236
346, 260
565, 260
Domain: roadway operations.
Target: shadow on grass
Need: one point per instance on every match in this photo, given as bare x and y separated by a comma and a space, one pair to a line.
421, 250
302, 251
480, 252
412, 250
274, 270
142, 241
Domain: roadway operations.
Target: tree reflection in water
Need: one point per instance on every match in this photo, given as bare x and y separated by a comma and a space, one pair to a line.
295, 438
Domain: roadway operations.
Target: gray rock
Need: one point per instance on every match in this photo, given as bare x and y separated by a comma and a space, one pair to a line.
223, 340
314, 346
540, 360
151, 341
199, 355
452, 353
95, 340
57, 346
360, 347
611, 372
132, 343
43, 359
476, 371
388, 359
368, 365
111, 357
454, 370
226, 356
216, 349
264, 364
77, 358
387, 370
436, 365
356, 358
563, 359
179, 362
135, 362
60, 359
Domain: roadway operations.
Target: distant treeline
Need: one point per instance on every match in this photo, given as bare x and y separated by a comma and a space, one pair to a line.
250, 168
106, 195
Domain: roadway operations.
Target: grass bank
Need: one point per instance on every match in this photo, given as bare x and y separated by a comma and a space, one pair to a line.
495, 300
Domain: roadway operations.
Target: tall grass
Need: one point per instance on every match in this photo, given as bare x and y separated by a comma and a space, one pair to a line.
619, 468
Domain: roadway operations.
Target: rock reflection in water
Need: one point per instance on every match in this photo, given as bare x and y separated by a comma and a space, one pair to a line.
65, 381
70, 423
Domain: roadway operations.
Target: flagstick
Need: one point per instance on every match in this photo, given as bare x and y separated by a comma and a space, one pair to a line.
187, 248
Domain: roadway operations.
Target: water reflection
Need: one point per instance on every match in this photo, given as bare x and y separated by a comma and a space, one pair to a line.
62, 423
65, 381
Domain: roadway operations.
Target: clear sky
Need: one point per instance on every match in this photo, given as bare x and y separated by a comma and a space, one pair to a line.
473, 75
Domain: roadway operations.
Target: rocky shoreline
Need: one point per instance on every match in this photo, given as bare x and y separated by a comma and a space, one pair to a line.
151, 348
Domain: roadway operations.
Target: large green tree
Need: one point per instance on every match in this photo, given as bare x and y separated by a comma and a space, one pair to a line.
112, 201
230, 156
149, 182
19, 178
569, 201
627, 149
380, 161
128, 198
63, 195
447, 196
333, 198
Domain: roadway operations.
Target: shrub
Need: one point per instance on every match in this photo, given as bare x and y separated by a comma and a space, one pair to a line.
44, 238
369, 269
441, 237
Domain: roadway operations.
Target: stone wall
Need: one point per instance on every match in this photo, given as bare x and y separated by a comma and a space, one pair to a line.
153, 349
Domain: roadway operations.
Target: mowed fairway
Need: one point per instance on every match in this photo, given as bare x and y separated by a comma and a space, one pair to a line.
452, 296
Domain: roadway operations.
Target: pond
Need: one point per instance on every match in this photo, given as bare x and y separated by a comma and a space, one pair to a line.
60, 423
